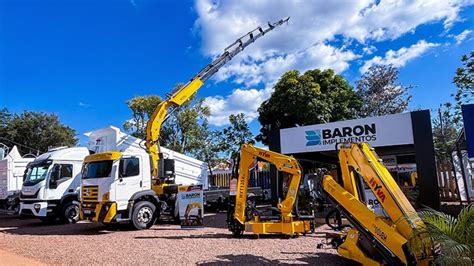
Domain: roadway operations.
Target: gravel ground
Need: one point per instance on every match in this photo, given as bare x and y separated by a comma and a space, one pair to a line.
91, 243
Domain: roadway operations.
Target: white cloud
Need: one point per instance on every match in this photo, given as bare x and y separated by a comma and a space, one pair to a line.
251, 72
309, 40
244, 101
219, 22
82, 104
462, 36
400, 57
368, 50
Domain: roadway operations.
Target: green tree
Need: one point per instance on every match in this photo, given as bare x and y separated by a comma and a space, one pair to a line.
464, 80
444, 133
312, 98
5, 117
381, 93
454, 235
37, 130
211, 146
184, 129
142, 108
236, 134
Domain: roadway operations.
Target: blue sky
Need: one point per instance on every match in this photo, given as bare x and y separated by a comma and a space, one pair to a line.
83, 59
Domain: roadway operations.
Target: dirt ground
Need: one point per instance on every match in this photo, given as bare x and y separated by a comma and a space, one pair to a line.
29, 242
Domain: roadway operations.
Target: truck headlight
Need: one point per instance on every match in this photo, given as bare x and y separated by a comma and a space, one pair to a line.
105, 196
37, 207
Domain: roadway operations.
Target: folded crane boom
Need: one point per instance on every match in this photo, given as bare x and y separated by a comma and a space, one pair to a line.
375, 239
286, 222
165, 108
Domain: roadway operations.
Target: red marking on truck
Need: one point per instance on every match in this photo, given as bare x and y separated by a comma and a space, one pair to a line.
378, 189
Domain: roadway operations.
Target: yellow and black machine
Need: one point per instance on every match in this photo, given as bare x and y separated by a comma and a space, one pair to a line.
393, 237
126, 186
245, 217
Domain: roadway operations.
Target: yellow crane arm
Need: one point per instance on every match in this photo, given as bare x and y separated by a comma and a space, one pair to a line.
389, 235
183, 94
360, 158
283, 163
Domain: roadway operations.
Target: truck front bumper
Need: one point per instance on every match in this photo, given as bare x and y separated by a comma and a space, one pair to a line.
39, 209
105, 212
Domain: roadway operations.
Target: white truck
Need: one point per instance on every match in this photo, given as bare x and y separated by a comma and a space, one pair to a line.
115, 181
12, 168
51, 185
184, 169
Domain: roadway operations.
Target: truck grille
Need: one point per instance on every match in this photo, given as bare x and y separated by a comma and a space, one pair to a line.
90, 193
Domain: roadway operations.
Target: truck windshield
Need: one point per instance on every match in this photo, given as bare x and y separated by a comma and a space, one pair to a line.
36, 173
97, 169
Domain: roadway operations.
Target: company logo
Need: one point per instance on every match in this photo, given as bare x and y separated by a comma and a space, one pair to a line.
378, 189
313, 137
327, 136
87, 192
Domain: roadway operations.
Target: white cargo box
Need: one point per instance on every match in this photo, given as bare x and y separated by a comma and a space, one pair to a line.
188, 171
12, 168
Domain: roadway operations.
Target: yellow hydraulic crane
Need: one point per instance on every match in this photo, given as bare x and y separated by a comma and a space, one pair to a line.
138, 194
373, 239
165, 108
286, 222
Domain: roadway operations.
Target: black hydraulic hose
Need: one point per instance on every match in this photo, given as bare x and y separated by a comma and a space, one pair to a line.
337, 213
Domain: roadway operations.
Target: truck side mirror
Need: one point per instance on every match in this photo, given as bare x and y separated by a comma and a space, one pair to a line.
55, 176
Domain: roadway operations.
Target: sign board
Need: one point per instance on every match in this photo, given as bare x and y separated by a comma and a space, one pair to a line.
233, 187
190, 204
390, 161
373, 203
378, 131
468, 119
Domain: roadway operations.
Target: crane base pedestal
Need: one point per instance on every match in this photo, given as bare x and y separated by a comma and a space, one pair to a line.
293, 228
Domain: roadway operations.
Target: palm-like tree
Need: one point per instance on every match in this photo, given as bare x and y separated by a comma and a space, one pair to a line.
453, 236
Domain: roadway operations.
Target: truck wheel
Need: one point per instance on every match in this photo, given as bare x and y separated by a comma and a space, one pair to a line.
70, 212
143, 216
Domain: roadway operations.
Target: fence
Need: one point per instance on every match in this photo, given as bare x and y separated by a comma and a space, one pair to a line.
447, 183
257, 179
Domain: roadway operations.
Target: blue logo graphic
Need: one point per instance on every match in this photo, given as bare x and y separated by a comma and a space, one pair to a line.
313, 137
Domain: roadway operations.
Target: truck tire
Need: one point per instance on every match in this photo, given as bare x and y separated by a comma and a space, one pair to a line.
70, 212
143, 215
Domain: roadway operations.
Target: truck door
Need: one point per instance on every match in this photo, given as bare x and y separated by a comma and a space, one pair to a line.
129, 180
59, 180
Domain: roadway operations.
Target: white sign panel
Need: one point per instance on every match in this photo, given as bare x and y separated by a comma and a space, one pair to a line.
190, 204
378, 131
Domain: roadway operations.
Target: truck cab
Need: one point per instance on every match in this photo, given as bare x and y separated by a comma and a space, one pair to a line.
112, 183
117, 184
51, 185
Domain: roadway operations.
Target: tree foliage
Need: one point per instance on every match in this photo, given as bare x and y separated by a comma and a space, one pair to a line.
236, 134
142, 108
444, 133
37, 130
455, 235
182, 132
464, 80
312, 98
186, 128
212, 145
381, 93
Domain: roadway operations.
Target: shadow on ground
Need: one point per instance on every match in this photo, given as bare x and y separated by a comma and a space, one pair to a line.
13, 224
306, 258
